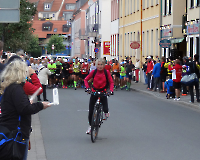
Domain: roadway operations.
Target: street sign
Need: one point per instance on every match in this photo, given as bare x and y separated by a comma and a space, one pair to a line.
9, 11
96, 50
135, 45
165, 43
8, 4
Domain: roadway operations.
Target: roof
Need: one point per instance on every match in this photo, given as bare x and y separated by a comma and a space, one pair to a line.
55, 5
37, 25
64, 7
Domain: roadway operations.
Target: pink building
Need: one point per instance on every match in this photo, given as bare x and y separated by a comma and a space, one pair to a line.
114, 29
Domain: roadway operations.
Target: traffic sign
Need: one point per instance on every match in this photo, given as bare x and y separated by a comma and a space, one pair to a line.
165, 43
9, 11
96, 50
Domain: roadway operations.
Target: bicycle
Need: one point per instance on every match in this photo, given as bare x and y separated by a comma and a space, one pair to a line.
97, 117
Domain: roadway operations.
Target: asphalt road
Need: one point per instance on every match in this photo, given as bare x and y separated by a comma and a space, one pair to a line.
140, 127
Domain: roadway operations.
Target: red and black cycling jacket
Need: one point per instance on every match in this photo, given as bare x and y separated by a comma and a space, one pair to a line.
99, 81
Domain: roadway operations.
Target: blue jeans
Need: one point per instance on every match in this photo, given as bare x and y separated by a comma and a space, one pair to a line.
145, 78
26, 151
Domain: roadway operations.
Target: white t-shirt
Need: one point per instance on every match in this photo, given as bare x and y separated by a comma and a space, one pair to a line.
34, 66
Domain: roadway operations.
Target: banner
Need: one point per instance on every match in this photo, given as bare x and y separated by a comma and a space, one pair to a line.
106, 47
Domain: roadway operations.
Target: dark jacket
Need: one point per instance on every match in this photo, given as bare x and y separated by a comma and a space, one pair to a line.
193, 68
14, 103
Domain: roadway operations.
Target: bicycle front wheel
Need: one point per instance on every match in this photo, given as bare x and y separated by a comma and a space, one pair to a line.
94, 125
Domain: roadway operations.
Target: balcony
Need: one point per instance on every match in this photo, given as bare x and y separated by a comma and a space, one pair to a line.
92, 30
83, 34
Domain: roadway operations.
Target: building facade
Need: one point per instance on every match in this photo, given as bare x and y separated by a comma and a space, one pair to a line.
114, 47
191, 28
171, 29
139, 22
53, 17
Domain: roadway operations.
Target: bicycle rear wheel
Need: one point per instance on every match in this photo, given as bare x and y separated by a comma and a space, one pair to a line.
94, 125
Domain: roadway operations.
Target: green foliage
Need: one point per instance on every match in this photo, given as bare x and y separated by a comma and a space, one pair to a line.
58, 44
18, 35
33, 48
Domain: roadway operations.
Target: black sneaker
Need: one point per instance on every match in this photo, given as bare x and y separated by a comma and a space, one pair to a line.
46, 100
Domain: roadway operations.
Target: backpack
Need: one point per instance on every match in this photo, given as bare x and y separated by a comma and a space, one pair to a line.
107, 82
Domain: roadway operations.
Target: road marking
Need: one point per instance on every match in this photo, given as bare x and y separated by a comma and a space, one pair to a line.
82, 110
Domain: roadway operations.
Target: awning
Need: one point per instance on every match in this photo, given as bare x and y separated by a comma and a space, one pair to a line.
177, 40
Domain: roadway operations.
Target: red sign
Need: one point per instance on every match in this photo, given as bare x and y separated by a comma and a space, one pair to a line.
106, 48
135, 45
193, 29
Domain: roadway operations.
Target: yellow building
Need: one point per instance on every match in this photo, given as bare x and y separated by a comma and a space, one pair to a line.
139, 20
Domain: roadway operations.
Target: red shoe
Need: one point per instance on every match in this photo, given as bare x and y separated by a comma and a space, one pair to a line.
184, 94
63, 86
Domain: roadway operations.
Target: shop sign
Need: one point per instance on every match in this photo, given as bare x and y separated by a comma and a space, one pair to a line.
106, 48
165, 43
135, 45
167, 32
193, 29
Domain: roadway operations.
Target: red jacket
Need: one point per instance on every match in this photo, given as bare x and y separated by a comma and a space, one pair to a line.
178, 69
31, 88
149, 67
99, 80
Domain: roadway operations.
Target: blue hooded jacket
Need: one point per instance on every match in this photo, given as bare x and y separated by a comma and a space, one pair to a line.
156, 70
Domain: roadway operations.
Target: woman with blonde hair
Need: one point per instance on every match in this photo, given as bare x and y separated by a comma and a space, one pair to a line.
15, 102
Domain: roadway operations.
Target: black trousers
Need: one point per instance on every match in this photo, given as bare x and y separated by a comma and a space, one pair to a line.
93, 100
184, 89
44, 93
156, 83
192, 93
150, 81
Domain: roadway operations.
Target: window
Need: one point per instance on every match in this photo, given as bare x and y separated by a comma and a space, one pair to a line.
143, 4
120, 8
147, 3
152, 2
197, 44
191, 3
47, 6
67, 15
198, 2
134, 6
156, 1
191, 47
125, 46
147, 41
47, 28
70, 6
46, 15
156, 42
125, 8
143, 46
138, 5
151, 42
165, 7
170, 7
131, 6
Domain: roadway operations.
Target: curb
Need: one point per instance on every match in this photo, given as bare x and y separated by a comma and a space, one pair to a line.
194, 106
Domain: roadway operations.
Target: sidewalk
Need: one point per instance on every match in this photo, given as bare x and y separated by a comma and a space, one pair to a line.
140, 87
37, 151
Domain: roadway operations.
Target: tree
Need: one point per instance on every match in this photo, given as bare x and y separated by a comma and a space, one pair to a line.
58, 44
17, 35
33, 48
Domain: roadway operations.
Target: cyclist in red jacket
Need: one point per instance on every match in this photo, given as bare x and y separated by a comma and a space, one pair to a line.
176, 77
99, 85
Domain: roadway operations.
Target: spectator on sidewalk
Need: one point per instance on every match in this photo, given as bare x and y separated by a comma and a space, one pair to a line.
167, 65
137, 69
1, 52
156, 75
144, 68
185, 71
194, 68
163, 73
149, 71
43, 74
176, 77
